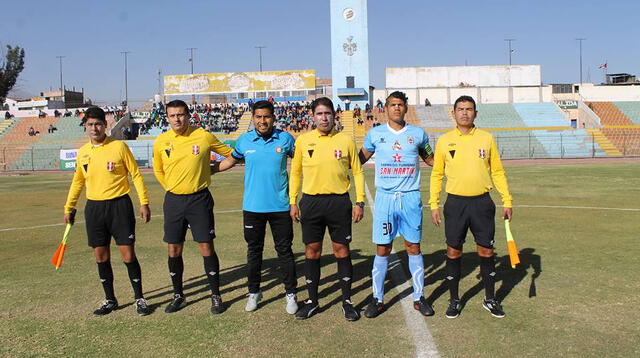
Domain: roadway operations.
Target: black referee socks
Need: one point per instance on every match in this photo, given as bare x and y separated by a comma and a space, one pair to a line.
345, 275
212, 270
454, 268
176, 268
312, 268
488, 272
135, 276
106, 277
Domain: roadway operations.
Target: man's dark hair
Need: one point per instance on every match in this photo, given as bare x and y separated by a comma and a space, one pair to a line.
464, 99
324, 101
95, 113
398, 95
177, 103
263, 105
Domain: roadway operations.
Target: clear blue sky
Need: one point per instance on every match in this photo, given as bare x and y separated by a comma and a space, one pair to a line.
91, 34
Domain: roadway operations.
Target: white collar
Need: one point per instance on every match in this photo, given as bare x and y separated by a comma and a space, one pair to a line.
395, 131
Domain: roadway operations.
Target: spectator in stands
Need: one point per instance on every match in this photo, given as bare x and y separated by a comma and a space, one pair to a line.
41, 114
380, 106
427, 103
56, 113
32, 132
51, 129
7, 115
338, 110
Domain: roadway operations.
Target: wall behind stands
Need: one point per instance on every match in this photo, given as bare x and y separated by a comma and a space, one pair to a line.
453, 76
480, 94
591, 93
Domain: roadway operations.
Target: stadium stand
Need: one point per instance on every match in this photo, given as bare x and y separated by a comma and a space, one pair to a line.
617, 128
436, 116
498, 116
631, 110
44, 153
541, 115
17, 140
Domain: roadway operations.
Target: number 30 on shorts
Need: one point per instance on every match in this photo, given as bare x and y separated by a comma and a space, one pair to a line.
387, 228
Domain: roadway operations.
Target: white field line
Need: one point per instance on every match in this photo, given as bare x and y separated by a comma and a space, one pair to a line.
422, 338
81, 222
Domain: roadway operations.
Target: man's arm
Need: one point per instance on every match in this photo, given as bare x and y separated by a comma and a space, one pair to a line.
435, 185
500, 180
133, 169
77, 183
364, 155
295, 178
358, 179
228, 163
158, 169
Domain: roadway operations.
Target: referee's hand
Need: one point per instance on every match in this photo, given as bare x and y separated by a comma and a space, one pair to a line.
70, 218
145, 213
506, 214
357, 214
294, 212
435, 217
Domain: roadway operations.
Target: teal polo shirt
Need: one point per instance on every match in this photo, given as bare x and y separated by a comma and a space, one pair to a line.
266, 182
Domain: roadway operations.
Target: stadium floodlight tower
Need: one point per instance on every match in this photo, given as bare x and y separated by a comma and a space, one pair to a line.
349, 53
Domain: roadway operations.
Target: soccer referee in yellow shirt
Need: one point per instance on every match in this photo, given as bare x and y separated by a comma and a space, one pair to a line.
103, 166
181, 163
470, 160
322, 160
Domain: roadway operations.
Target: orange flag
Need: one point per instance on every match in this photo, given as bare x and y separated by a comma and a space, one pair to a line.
511, 246
56, 260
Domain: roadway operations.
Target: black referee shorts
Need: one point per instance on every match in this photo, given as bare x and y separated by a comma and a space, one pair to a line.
193, 211
469, 212
332, 211
107, 218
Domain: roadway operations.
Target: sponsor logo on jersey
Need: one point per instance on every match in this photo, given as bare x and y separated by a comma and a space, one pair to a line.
397, 157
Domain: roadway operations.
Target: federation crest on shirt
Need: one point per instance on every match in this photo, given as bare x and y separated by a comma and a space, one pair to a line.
278, 149
337, 153
482, 153
195, 149
111, 166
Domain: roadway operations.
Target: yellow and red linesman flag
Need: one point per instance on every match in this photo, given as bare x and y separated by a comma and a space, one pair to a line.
511, 246
56, 260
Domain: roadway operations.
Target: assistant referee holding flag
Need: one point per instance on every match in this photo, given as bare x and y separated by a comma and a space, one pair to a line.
322, 160
181, 163
470, 160
103, 166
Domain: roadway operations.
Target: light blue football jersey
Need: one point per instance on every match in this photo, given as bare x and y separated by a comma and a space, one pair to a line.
397, 156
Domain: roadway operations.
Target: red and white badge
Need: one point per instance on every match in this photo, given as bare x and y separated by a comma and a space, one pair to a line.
278, 149
482, 153
410, 140
195, 149
337, 153
111, 166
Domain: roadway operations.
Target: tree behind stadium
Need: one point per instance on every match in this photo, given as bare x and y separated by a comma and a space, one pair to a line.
10, 68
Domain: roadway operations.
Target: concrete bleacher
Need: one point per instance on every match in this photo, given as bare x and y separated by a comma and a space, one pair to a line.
16, 142
7, 124
577, 143
44, 153
541, 115
617, 128
437, 116
501, 115
631, 110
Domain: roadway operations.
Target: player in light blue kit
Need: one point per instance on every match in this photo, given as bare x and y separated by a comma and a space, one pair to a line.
399, 147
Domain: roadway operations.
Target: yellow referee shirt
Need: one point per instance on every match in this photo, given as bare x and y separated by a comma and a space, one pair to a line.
324, 162
469, 162
104, 168
181, 163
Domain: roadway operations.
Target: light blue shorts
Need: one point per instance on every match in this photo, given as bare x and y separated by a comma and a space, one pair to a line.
397, 214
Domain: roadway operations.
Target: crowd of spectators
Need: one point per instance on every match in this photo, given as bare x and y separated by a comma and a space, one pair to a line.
223, 117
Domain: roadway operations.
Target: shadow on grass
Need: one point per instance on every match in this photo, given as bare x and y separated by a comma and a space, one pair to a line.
233, 279
507, 277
